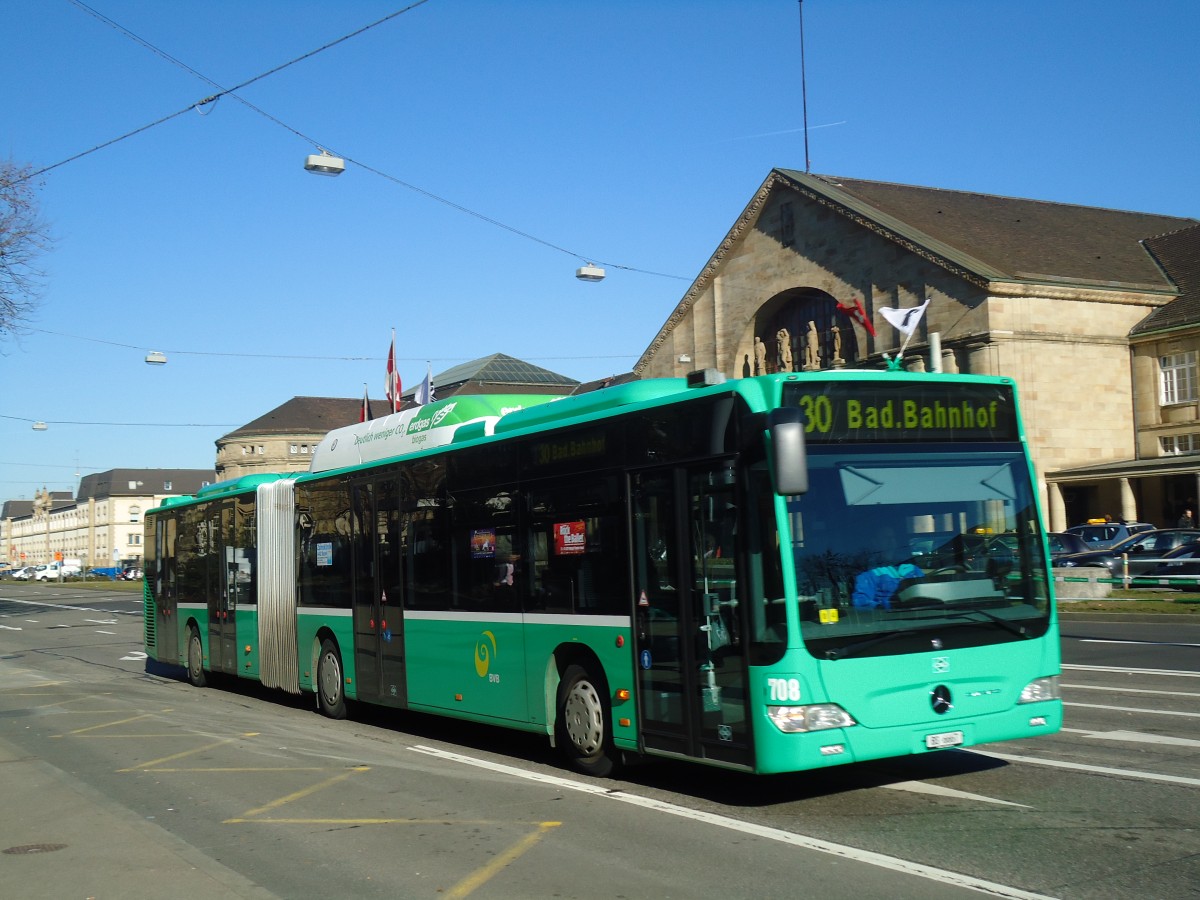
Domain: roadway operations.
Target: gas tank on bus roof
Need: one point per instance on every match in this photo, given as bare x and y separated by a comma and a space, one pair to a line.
419, 428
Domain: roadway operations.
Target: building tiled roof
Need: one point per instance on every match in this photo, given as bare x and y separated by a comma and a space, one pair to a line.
495, 374
499, 369
315, 415
14, 509
142, 482
1179, 255
1014, 238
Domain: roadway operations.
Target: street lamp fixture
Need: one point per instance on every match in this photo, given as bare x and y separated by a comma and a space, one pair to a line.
156, 358
39, 426
589, 272
324, 163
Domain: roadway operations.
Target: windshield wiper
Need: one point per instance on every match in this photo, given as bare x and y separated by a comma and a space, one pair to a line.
1018, 630
851, 649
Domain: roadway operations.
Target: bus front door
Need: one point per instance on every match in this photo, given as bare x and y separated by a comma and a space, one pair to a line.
378, 606
690, 658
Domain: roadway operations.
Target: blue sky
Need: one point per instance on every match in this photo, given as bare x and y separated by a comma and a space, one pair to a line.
629, 132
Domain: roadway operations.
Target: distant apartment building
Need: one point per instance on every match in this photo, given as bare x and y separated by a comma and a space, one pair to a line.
101, 525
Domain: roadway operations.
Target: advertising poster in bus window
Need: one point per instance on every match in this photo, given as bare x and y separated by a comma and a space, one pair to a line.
570, 538
483, 543
324, 553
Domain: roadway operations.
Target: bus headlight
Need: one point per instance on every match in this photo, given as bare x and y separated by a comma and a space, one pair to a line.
1041, 689
815, 717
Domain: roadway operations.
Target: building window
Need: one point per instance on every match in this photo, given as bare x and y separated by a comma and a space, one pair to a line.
135, 538
304, 448
166, 485
294, 449
259, 449
1178, 377
1178, 444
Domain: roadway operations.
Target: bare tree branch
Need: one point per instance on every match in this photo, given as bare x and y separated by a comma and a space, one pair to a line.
23, 239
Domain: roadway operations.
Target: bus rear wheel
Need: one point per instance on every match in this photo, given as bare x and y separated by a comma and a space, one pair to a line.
195, 659
331, 685
583, 731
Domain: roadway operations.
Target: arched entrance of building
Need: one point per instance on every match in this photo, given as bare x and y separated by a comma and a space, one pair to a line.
801, 329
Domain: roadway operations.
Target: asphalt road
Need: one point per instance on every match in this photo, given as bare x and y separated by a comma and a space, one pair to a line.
116, 781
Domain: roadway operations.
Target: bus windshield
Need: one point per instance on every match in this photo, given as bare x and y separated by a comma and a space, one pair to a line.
897, 551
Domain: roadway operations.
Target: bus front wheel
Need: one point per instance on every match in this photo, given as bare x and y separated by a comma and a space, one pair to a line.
195, 659
583, 729
331, 686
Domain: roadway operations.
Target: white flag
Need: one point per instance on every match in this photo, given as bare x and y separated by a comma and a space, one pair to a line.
424, 391
904, 320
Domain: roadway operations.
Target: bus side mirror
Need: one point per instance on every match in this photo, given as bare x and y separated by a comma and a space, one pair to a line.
789, 459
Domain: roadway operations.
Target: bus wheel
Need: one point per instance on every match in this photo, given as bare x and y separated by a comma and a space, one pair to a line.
583, 732
331, 686
195, 659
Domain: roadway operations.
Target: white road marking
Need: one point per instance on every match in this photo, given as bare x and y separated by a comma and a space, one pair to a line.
920, 787
1135, 737
102, 631
1177, 673
1117, 689
135, 655
1134, 709
11, 627
1095, 770
101, 621
775, 834
1136, 643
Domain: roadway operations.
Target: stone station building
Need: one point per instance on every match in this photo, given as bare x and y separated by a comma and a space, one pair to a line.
1093, 312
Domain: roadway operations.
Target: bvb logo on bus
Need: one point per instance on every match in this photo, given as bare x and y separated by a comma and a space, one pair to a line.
484, 653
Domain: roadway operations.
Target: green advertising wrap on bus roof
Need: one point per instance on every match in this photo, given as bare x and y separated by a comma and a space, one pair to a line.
412, 430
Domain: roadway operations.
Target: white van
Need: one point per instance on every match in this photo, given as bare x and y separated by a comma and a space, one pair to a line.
66, 568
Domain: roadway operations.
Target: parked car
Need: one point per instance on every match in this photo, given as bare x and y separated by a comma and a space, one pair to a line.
24, 574
1103, 536
1144, 551
1063, 543
1181, 563
132, 573
53, 570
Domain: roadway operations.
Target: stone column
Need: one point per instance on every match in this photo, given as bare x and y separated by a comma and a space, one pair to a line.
1057, 509
1128, 504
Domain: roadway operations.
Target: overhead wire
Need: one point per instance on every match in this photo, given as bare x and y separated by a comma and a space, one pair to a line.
231, 92
141, 349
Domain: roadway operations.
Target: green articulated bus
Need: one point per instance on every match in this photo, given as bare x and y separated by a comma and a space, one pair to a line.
768, 574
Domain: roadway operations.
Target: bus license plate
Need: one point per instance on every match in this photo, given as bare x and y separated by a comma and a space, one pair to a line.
945, 739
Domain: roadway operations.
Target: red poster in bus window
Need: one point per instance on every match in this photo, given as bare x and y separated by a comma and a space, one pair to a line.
569, 538
483, 543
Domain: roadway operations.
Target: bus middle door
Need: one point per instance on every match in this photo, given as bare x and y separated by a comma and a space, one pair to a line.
378, 606
222, 596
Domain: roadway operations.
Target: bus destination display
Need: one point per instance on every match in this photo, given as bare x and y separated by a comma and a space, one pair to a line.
872, 412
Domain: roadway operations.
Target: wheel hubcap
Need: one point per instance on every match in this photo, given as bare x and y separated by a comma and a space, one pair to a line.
584, 718
331, 679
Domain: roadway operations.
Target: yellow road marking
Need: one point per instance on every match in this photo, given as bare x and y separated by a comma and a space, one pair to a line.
110, 724
304, 792
273, 821
481, 876
174, 756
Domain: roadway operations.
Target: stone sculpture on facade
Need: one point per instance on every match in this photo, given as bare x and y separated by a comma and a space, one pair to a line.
783, 340
812, 349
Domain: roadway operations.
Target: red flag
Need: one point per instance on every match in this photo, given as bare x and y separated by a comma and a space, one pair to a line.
393, 377
854, 309
364, 414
